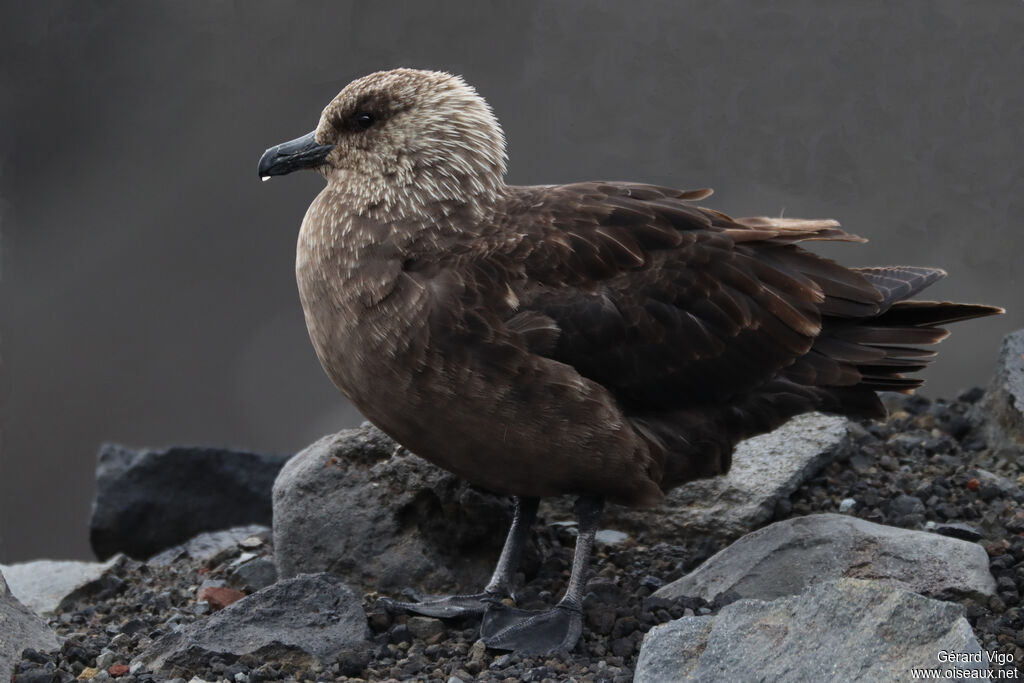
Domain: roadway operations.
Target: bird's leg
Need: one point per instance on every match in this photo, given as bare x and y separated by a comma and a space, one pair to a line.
559, 628
501, 581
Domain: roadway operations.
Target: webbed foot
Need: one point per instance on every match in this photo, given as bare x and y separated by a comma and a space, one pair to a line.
442, 608
531, 633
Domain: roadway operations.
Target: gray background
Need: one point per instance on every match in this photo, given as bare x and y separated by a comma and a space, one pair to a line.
148, 293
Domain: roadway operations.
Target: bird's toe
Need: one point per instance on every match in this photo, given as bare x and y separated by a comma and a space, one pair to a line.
531, 633
442, 607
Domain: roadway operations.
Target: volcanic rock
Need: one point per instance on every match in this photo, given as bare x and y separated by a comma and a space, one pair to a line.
20, 628
788, 556
844, 630
305, 619
1001, 410
149, 500
356, 505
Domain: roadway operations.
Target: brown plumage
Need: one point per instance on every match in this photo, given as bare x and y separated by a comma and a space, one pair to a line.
605, 339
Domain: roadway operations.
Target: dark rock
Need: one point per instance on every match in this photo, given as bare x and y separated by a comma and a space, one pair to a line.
958, 530
971, 395
425, 628
42, 676
353, 660
400, 633
149, 500
845, 630
906, 509
20, 628
600, 618
786, 557
356, 505
302, 620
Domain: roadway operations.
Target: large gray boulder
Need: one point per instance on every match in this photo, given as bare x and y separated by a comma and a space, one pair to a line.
1001, 411
45, 585
304, 620
764, 470
356, 505
20, 628
844, 630
786, 557
149, 500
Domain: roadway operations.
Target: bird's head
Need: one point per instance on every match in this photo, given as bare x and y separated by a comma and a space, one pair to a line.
401, 139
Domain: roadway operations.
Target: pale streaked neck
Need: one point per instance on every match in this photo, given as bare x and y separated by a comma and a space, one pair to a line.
426, 198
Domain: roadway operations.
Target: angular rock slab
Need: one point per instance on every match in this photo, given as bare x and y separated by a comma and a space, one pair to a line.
20, 628
764, 469
307, 618
356, 505
43, 585
1001, 411
207, 545
149, 500
786, 557
845, 630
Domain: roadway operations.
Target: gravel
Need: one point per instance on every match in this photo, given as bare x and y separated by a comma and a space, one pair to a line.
926, 467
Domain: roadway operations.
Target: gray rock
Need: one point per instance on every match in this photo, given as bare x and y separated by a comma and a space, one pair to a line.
149, 500
786, 557
307, 619
765, 469
356, 505
20, 628
254, 574
208, 545
1001, 410
1002, 484
45, 585
425, 628
611, 537
845, 630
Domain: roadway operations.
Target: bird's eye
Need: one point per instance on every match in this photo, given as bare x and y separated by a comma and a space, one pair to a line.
364, 120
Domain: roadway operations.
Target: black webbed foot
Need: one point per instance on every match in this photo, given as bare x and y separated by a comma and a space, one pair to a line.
531, 633
444, 607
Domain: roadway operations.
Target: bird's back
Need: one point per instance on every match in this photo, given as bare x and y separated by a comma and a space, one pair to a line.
708, 330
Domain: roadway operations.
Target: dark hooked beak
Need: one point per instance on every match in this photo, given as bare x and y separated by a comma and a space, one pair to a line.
293, 155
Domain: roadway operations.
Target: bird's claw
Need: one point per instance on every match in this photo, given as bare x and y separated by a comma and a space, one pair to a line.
443, 608
531, 633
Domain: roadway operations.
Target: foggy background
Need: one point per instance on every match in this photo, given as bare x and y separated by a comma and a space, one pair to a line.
147, 293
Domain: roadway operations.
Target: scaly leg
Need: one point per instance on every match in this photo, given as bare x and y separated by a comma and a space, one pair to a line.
501, 581
559, 628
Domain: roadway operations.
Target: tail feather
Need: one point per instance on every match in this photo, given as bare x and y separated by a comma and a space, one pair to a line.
881, 334
926, 313
878, 349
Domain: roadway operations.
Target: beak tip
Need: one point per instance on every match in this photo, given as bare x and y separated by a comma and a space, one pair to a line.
303, 152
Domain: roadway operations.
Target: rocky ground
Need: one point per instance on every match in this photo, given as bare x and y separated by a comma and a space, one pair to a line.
927, 467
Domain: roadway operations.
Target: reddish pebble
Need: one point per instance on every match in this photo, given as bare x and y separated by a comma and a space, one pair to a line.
973, 484
220, 597
117, 669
